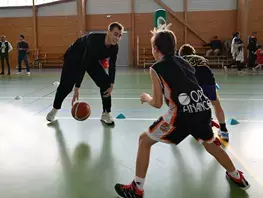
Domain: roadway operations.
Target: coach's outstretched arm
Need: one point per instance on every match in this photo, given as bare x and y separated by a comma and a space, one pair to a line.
80, 76
81, 72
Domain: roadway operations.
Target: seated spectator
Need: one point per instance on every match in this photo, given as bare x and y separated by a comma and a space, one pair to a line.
216, 47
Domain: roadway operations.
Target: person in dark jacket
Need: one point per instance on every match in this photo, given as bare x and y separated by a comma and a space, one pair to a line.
88, 54
252, 48
22, 47
216, 47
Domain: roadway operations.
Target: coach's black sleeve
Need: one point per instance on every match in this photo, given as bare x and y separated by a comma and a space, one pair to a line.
80, 76
112, 65
84, 63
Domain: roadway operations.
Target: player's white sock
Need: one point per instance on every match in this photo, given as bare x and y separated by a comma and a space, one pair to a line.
139, 182
235, 174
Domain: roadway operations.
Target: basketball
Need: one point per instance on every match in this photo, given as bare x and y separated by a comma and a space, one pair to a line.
80, 111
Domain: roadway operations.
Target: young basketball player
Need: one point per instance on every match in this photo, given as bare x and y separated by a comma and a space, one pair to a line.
189, 113
207, 81
88, 54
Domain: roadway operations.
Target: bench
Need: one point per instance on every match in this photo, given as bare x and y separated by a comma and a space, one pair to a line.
219, 61
52, 59
214, 61
145, 57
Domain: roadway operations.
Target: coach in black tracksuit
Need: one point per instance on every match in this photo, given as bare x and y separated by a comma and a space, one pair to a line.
5, 48
85, 55
252, 48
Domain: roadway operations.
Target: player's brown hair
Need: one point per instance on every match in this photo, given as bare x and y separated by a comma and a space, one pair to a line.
186, 49
164, 40
116, 25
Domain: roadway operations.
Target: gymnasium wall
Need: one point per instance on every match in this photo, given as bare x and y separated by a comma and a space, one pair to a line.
57, 23
14, 22
207, 17
57, 26
255, 19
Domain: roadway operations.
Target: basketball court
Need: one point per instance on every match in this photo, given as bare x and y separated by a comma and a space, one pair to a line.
73, 159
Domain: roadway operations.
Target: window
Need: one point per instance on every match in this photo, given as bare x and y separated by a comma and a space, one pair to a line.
38, 2
12, 3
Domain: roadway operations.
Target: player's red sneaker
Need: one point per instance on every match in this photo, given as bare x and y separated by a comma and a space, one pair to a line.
241, 182
130, 190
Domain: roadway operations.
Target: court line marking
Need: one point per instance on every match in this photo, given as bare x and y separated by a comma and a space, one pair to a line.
120, 98
146, 119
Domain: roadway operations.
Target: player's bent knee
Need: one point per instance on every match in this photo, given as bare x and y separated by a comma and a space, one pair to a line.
145, 140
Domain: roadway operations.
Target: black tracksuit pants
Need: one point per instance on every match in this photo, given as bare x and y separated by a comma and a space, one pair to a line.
68, 80
4, 57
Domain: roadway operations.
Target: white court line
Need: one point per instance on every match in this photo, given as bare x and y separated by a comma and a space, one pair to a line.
118, 98
148, 119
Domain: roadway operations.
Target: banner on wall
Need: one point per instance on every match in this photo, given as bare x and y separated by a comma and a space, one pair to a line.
160, 17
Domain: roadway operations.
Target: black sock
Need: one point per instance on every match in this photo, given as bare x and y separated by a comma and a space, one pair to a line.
223, 127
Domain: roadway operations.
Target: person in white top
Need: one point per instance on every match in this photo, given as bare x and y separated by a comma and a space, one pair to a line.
237, 51
5, 48
233, 48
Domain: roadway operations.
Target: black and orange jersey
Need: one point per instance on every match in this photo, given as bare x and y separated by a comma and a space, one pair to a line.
180, 88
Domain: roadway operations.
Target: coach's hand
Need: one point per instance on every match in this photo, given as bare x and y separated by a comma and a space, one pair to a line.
75, 96
107, 93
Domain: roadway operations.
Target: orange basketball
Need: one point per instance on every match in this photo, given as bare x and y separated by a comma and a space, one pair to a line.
80, 111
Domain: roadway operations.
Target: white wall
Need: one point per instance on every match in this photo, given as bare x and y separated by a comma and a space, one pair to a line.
149, 6
120, 6
60, 9
15, 12
108, 6
208, 5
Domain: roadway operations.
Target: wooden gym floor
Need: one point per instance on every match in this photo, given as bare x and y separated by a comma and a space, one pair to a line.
71, 159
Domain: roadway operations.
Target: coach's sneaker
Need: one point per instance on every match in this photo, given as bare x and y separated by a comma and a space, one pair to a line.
51, 115
128, 191
223, 135
241, 181
106, 118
